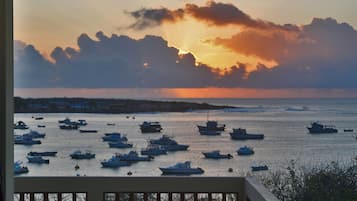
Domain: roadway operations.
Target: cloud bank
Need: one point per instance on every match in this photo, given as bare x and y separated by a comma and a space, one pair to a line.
321, 54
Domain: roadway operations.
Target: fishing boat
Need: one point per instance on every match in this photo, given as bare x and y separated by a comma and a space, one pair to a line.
133, 156
153, 150
241, 134
181, 169
169, 144
211, 126
114, 162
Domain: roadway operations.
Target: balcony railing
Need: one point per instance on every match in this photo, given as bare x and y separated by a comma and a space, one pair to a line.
140, 189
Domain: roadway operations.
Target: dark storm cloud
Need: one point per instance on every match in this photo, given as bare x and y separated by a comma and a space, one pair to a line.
217, 14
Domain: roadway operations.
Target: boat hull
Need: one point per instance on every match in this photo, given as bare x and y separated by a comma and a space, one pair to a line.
221, 156
48, 153
235, 136
179, 147
322, 131
177, 171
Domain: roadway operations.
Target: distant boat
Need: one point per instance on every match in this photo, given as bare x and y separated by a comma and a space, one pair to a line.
87, 131
34, 134
41, 126
120, 144
150, 127
259, 168
38, 118
153, 150
241, 134
110, 124
216, 155
20, 125
113, 137
210, 132
347, 130
181, 169
65, 121
317, 128
26, 140
37, 159
79, 155
169, 144
211, 126
133, 156
245, 151
69, 127
114, 162
82, 122
45, 153
20, 169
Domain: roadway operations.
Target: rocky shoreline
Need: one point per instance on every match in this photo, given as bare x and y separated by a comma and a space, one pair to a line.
112, 106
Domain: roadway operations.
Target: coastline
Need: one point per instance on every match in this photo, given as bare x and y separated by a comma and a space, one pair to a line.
107, 106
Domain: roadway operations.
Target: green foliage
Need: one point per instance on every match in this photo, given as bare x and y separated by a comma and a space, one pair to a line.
331, 182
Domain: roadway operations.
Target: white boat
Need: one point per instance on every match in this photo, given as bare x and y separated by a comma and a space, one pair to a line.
37, 159
181, 169
120, 144
245, 151
114, 162
82, 122
153, 150
82, 155
20, 125
34, 134
133, 156
20, 169
169, 144
216, 155
113, 137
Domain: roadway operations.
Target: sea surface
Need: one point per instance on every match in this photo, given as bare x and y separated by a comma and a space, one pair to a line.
283, 121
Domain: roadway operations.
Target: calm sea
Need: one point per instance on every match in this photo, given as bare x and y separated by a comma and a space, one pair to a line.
283, 121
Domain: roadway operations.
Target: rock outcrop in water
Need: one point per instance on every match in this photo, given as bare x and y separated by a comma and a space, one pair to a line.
115, 106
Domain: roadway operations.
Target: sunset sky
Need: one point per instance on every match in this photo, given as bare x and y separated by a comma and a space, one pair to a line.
186, 49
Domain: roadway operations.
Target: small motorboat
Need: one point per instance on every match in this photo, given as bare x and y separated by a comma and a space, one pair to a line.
318, 128
26, 140
87, 131
114, 162
216, 155
110, 124
181, 169
209, 132
153, 150
259, 168
20, 125
169, 144
82, 122
20, 169
38, 118
45, 153
347, 130
245, 151
120, 144
37, 159
211, 126
41, 126
80, 155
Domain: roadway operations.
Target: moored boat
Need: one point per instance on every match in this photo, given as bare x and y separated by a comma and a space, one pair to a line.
26, 140
245, 151
69, 126
150, 127
153, 150
181, 169
169, 144
212, 126
87, 131
34, 134
318, 128
209, 132
216, 155
45, 153
37, 159
113, 137
114, 162
20, 169
133, 156
241, 134
120, 144
259, 168
20, 125
82, 155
